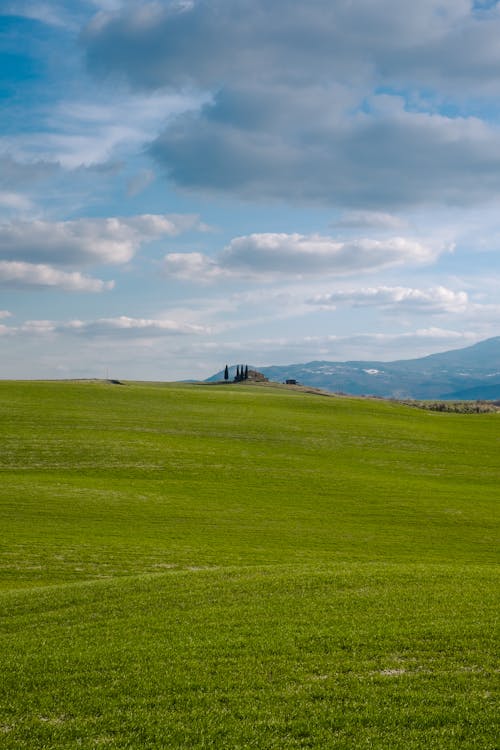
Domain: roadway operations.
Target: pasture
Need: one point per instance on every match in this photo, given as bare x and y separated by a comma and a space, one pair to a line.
244, 566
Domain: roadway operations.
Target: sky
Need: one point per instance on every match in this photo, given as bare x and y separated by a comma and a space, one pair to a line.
190, 183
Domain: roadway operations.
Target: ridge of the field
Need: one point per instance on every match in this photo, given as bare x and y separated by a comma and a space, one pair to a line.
184, 566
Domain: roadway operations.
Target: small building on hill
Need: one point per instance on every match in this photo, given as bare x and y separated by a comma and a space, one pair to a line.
257, 377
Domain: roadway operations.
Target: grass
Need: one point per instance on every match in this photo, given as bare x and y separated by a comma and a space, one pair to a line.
243, 567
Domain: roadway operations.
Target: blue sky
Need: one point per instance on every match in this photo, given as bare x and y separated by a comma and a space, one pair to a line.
193, 182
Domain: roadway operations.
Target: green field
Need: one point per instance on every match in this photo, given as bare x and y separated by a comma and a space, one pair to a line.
245, 567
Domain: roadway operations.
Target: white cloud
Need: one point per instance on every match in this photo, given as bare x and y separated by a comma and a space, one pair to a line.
5, 314
29, 275
434, 300
112, 328
84, 241
300, 254
294, 255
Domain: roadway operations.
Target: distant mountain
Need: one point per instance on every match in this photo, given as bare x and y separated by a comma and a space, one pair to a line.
450, 375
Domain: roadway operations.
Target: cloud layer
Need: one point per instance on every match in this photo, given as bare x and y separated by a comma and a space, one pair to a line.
158, 44
329, 102
35, 253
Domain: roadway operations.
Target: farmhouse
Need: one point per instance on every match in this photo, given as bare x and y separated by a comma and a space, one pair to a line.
257, 377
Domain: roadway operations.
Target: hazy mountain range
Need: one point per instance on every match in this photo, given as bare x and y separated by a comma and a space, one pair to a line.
470, 373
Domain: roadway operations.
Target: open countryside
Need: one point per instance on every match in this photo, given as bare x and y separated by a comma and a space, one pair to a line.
245, 566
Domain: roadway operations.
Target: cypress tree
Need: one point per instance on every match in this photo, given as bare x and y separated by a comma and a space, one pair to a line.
246, 372
237, 372
226, 373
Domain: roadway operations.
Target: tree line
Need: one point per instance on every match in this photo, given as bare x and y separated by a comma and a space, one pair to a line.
241, 373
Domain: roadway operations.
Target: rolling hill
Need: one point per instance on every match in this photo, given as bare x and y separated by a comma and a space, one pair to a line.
192, 567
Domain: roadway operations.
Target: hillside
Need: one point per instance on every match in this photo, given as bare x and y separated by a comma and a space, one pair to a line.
244, 567
447, 375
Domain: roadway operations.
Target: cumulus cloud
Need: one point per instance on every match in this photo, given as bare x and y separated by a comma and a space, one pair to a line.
296, 255
307, 110
384, 157
29, 275
434, 300
86, 241
300, 254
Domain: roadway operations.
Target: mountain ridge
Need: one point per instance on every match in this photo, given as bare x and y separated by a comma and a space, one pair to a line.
445, 375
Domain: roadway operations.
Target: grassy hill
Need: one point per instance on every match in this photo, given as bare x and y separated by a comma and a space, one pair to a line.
244, 567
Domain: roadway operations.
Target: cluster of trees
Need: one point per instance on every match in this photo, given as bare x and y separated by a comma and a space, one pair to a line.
459, 407
241, 373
